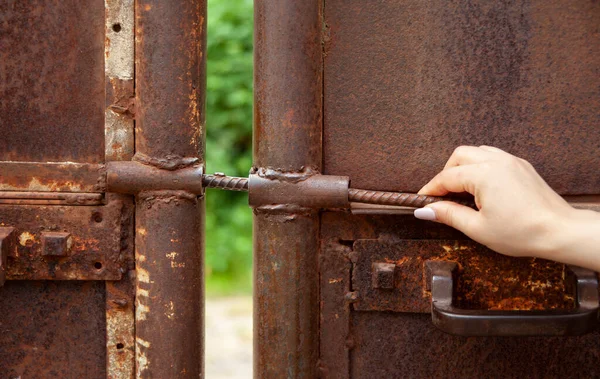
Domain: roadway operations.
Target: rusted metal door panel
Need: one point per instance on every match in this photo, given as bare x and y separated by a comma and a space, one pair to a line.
405, 345
68, 108
52, 112
407, 81
403, 84
53, 329
421, 80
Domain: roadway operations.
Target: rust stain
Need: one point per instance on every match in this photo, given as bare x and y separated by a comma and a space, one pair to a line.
26, 239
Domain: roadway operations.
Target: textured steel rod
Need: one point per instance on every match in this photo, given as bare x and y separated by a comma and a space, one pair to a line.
229, 183
401, 199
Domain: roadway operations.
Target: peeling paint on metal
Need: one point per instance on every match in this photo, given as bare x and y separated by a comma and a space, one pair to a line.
120, 328
26, 239
119, 51
143, 276
141, 310
119, 71
141, 342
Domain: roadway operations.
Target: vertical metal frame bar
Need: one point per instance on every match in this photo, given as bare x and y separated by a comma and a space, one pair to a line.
119, 145
287, 140
170, 86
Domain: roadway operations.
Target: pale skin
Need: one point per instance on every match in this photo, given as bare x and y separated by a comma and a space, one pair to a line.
519, 214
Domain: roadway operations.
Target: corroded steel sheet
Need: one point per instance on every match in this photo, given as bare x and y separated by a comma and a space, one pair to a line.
52, 329
52, 81
408, 81
404, 345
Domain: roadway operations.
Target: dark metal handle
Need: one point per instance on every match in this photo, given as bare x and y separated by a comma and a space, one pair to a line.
465, 322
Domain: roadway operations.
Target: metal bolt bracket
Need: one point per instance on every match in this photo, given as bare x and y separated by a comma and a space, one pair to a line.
311, 191
315, 191
134, 177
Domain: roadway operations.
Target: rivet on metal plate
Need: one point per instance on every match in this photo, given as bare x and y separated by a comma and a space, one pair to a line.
383, 275
55, 244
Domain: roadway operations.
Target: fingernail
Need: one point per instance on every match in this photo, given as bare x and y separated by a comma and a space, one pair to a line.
425, 214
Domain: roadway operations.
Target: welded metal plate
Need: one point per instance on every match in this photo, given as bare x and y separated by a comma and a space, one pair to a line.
69, 242
486, 280
403, 345
406, 82
52, 330
52, 80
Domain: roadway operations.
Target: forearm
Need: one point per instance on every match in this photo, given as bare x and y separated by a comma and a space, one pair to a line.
578, 240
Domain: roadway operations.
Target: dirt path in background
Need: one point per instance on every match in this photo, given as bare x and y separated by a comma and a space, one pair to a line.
229, 338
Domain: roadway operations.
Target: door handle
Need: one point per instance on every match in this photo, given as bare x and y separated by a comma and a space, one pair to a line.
467, 322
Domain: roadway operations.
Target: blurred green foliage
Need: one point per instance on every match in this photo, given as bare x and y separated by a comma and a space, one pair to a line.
229, 144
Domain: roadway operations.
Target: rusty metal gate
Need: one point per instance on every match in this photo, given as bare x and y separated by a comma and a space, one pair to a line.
101, 187
73, 77
382, 92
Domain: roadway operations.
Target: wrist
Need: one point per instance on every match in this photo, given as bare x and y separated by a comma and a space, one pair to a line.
576, 239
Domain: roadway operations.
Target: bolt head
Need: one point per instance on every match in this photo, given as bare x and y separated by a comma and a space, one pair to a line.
383, 275
55, 244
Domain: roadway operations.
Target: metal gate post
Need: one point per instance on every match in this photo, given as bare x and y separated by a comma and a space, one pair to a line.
170, 85
287, 140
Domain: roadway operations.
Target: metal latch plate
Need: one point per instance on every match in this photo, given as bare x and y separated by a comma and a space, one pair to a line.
69, 242
391, 276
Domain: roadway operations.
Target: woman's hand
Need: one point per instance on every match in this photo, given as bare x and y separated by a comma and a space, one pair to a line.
519, 214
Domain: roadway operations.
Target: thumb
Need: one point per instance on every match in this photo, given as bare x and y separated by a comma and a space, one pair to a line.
452, 214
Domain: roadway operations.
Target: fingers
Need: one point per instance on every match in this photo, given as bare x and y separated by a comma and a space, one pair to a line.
455, 215
454, 179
